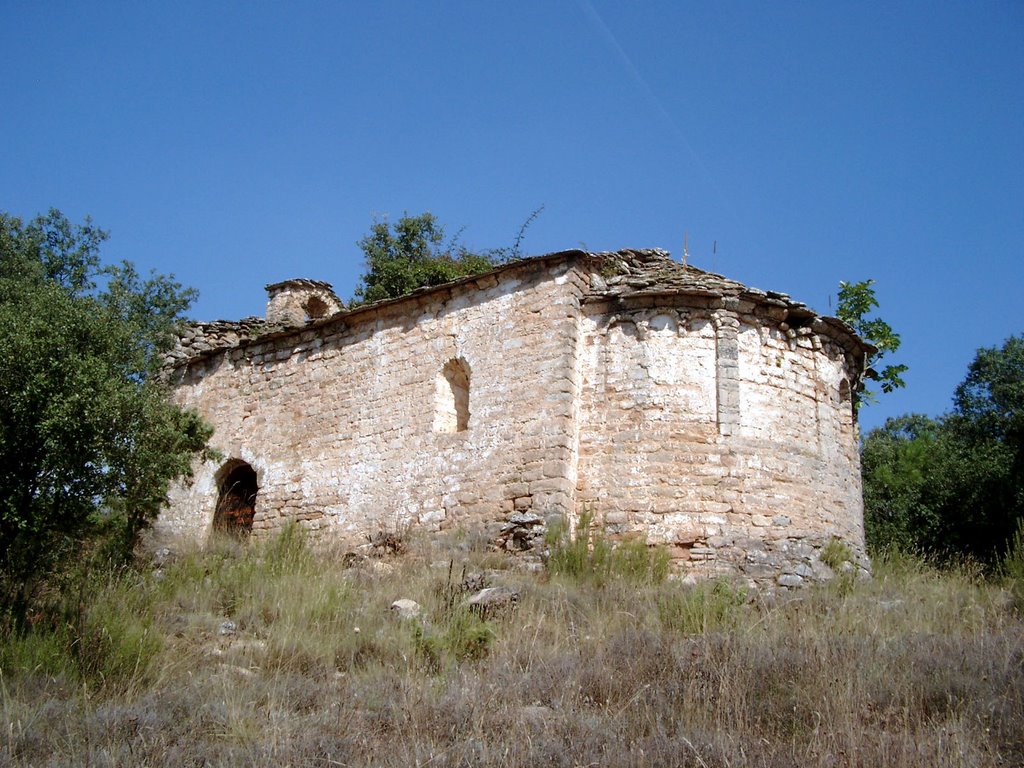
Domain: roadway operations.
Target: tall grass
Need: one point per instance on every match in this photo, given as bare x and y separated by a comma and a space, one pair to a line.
589, 555
277, 654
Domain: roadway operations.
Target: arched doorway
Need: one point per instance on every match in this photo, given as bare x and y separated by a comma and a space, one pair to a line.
236, 501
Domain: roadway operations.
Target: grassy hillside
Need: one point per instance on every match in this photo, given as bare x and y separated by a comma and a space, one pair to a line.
275, 655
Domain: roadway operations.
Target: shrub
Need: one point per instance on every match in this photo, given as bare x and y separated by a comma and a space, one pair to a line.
583, 556
461, 636
1013, 564
591, 556
467, 636
640, 563
89, 437
457, 633
835, 553
701, 608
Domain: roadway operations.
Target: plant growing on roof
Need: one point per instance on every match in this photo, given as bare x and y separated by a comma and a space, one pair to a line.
856, 302
412, 253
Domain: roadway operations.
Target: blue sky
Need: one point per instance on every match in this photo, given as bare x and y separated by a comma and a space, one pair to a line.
237, 144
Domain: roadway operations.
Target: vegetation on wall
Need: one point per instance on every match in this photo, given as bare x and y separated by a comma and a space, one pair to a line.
857, 302
89, 440
413, 253
953, 486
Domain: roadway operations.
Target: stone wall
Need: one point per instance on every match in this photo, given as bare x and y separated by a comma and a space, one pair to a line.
338, 420
720, 434
649, 459
670, 403
292, 303
200, 339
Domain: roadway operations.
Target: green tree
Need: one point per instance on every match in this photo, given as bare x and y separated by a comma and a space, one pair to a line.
856, 302
897, 462
89, 439
954, 486
988, 422
989, 402
413, 254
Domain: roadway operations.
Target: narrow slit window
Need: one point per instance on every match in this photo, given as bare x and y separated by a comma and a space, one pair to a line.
451, 410
844, 391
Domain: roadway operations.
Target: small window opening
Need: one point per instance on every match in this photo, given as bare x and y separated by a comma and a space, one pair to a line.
316, 308
452, 398
236, 504
844, 391
662, 324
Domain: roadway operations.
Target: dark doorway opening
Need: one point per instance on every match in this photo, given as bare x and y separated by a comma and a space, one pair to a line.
236, 504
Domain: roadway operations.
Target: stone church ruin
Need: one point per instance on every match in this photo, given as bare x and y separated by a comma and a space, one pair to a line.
668, 402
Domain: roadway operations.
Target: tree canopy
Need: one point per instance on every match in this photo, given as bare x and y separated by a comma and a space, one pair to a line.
953, 486
89, 439
413, 254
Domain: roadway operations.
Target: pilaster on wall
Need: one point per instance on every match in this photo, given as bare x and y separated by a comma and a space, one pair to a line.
579, 284
727, 368
554, 496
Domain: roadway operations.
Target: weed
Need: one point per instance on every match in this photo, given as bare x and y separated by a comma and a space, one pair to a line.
1012, 566
390, 542
467, 636
583, 556
612, 267
639, 563
456, 633
590, 556
287, 552
1013, 561
835, 553
115, 647
705, 607
463, 636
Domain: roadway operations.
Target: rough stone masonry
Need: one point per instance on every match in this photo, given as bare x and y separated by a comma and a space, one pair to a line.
668, 402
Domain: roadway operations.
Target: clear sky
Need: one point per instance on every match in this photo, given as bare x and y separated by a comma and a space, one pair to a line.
237, 144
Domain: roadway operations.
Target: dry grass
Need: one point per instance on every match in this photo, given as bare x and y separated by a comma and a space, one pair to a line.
916, 667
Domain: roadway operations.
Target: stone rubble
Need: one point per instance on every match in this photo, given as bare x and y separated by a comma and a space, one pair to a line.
492, 601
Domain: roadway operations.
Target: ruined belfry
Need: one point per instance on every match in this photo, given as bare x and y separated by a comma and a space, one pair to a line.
668, 402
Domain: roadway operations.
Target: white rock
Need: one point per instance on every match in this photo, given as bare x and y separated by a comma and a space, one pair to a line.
493, 598
406, 609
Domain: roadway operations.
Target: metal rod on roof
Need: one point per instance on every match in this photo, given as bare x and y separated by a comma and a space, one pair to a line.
686, 239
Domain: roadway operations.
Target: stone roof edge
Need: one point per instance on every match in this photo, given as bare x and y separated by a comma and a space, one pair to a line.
270, 332
832, 326
828, 325
300, 281
253, 322
427, 289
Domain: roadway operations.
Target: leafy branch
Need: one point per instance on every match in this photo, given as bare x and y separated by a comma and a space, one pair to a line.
856, 302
